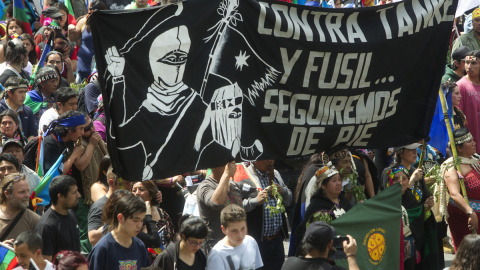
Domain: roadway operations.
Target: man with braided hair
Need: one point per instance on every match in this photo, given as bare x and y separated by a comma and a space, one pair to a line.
41, 98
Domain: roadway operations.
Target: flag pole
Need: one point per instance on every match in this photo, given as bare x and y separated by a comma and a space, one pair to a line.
420, 163
452, 146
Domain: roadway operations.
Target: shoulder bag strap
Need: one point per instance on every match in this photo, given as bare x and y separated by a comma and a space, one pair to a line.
12, 225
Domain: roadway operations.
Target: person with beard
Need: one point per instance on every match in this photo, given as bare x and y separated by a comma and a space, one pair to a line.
14, 200
58, 226
470, 39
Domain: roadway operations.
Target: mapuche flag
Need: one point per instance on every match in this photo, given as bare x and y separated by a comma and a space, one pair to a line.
375, 225
20, 14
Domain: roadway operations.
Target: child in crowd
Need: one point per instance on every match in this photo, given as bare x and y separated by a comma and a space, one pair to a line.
120, 249
236, 250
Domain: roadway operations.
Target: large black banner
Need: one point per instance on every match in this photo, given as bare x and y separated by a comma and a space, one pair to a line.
199, 83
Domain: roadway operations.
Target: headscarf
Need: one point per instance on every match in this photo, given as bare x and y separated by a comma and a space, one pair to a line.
72, 121
392, 171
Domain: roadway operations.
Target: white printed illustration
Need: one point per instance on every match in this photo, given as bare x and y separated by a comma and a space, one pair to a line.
176, 105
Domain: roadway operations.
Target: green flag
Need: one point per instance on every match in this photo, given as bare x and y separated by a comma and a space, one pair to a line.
68, 4
375, 225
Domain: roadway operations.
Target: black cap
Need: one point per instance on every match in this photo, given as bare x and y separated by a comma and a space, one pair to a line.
321, 230
10, 142
52, 12
460, 53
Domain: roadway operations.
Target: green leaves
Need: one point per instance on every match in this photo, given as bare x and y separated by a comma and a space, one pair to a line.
278, 208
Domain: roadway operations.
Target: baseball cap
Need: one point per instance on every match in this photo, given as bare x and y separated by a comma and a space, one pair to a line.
322, 232
52, 12
10, 142
408, 146
460, 53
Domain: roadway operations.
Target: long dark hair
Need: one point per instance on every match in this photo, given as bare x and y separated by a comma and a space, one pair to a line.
103, 166
94, 6
14, 117
32, 55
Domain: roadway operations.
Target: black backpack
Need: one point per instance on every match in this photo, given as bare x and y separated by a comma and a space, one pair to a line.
30, 156
81, 99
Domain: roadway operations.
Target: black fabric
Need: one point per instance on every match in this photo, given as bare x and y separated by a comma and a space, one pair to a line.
295, 263
254, 80
30, 156
58, 232
168, 258
7, 73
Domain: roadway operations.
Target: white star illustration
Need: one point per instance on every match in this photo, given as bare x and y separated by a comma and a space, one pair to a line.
241, 60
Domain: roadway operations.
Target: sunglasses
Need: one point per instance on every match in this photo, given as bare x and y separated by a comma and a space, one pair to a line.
89, 127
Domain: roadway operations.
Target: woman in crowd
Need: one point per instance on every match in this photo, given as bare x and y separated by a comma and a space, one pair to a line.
14, 26
17, 60
100, 188
70, 260
459, 119
186, 253
468, 254
85, 53
407, 156
29, 44
327, 199
9, 127
462, 217
156, 219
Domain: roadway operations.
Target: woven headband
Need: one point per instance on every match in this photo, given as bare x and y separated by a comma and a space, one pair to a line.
465, 138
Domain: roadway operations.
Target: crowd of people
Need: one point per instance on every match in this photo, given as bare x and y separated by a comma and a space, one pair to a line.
244, 212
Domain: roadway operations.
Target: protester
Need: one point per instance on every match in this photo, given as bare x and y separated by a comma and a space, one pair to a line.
16, 90
28, 245
44, 87
236, 250
9, 127
17, 59
15, 218
213, 195
470, 92
56, 59
317, 247
456, 70
85, 52
462, 218
269, 228
14, 147
29, 44
156, 215
186, 253
70, 260
100, 187
95, 223
8, 165
65, 100
120, 246
64, 133
58, 226
470, 39
468, 254
69, 62
459, 119
14, 26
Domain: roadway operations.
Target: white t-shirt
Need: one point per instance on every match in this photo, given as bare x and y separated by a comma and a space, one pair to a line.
47, 117
49, 266
243, 257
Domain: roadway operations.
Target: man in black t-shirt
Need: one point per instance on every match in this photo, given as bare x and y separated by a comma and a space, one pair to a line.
58, 226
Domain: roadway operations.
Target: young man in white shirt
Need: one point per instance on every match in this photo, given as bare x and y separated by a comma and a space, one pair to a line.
28, 245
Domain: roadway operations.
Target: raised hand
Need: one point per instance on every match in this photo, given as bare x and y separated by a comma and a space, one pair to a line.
115, 62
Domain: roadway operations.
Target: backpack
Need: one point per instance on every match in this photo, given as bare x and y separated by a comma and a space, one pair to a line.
81, 99
30, 154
